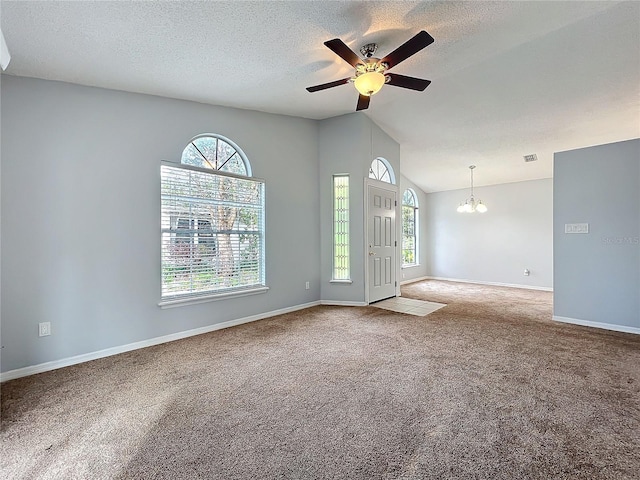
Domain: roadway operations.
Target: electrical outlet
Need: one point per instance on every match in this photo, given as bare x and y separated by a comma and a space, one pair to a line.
44, 329
306, 286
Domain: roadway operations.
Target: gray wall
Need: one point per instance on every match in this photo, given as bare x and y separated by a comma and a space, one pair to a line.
494, 247
420, 270
348, 144
597, 275
81, 206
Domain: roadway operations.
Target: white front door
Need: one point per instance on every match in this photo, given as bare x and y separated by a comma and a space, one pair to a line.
381, 243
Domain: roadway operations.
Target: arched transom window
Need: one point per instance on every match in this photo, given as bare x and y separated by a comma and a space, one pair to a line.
212, 218
409, 228
217, 153
381, 170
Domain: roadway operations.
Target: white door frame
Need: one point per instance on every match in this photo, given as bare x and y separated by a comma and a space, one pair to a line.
391, 188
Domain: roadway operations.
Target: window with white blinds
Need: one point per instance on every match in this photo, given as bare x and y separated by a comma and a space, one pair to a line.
341, 227
212, 232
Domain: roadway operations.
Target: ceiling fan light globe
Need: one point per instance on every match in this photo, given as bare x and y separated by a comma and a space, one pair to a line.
369, 83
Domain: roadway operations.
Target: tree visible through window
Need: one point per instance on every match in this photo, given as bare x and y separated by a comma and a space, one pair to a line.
219, 154
409, 228
212, 217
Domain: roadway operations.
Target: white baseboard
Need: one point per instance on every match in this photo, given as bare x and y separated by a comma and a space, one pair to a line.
413, 280
605, 326
86, 357
494, 284
343, 303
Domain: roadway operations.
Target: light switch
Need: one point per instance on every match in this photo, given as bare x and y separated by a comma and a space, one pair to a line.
576, 228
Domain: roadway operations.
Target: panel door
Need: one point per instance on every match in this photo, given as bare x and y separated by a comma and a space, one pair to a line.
381, 238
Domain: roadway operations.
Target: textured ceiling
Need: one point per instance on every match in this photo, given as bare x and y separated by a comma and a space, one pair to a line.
508, 78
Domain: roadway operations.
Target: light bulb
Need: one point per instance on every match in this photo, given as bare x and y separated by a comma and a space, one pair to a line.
460, 208
481, 207
369, 83
467, 207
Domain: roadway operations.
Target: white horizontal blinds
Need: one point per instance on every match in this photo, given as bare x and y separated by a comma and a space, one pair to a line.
341, 227
212, 232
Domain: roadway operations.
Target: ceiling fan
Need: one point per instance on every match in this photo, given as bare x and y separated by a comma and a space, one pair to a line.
371, 72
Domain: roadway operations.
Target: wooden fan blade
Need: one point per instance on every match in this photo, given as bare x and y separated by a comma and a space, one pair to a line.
407, 82
421, 40
340, 48
363, 102
324, 86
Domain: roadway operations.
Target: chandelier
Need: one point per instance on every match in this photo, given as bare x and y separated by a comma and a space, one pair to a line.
471, 205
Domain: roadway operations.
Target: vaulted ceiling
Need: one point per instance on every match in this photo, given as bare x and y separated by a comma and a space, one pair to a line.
508, 78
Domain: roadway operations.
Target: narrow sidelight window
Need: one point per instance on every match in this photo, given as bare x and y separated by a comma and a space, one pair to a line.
341, 227
409, 228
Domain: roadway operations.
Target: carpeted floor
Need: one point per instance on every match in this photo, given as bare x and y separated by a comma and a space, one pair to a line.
487, 387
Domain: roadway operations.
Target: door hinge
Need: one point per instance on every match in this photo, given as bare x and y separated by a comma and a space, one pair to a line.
396, 202
396, 243
396, 283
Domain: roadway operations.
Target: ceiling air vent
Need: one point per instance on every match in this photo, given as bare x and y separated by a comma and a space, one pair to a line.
530, 158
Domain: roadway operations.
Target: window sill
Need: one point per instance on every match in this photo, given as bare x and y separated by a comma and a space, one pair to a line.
343, 282
213, 297
412, 265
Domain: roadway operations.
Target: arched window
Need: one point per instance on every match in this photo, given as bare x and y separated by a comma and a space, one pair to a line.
212, 216
409, 228
216, 152
381, 170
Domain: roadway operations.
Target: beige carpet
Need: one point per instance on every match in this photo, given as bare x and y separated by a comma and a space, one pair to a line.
487, 387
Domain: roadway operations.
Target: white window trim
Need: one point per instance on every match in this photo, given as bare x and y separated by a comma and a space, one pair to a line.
415, 230
213, 297
209, 170
387, 165
334, 280
245, 160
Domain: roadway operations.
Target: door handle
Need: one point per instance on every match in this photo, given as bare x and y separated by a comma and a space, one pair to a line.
371, 253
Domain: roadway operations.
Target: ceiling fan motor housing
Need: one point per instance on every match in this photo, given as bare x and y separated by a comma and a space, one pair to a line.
370, 64
369, 50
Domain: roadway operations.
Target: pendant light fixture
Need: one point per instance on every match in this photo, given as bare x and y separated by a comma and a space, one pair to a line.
471, 205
